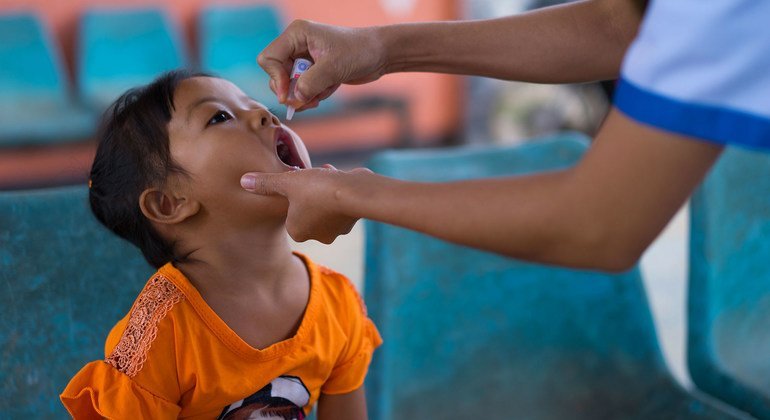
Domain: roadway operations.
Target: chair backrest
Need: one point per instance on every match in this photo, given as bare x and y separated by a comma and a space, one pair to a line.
231, 37
469, 334
729, 290
120, 49
30, 68
66, 281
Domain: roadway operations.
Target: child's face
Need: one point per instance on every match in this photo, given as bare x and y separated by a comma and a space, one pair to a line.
217, 134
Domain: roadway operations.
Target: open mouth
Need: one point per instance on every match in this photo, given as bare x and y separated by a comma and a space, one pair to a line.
286, 150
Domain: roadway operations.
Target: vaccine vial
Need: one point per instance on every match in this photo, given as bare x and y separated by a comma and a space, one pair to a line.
300, 66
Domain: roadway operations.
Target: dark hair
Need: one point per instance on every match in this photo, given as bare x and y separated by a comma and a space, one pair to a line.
133, 154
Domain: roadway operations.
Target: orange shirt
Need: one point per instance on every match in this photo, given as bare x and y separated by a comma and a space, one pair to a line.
172, 356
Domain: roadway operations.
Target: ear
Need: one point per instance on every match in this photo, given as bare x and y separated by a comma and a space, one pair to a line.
165, 207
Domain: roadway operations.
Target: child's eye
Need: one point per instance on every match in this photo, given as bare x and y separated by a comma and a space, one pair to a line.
219, 117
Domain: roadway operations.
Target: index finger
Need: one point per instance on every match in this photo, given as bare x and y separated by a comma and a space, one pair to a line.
264, 184
277, 58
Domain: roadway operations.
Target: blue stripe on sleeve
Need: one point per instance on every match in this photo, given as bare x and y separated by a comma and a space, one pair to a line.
716, 124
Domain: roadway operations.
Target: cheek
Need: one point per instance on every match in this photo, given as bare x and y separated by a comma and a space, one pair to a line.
220, 194
220, 166
216, 182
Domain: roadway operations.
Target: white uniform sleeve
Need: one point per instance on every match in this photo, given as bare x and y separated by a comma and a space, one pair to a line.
702, 69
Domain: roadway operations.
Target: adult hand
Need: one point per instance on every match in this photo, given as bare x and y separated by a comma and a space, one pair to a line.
341, 55
314, 196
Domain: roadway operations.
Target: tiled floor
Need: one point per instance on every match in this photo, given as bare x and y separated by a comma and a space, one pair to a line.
664, 267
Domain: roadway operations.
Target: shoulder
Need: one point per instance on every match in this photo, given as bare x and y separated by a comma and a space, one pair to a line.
340, 292
118, 387
134, 336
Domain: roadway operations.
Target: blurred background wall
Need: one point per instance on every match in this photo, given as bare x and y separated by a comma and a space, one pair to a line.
434, 99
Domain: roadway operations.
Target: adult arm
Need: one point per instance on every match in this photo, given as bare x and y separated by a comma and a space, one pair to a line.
575, 42
600, 214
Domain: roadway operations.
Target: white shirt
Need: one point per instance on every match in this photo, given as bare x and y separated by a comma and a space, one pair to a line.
701, 68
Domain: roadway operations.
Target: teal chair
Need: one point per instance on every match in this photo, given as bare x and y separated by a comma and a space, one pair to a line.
65, 282
35, 103
123, 48
231, 37
468, 334
729, 290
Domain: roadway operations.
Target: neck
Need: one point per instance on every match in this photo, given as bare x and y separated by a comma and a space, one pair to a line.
238, 262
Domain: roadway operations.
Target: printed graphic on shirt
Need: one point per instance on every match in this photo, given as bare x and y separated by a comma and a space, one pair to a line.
281, 399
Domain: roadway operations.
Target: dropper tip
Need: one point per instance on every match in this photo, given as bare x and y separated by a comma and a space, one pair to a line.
289, 113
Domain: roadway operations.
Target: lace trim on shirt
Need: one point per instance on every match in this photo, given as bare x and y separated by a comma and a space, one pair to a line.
151, 307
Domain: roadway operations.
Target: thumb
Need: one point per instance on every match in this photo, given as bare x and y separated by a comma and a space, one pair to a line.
315, 81
264, 184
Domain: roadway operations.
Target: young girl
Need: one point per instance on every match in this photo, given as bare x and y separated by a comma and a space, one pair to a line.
233, 324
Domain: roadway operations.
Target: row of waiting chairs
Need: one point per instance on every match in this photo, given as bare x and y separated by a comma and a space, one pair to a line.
35, 104
117, 50
120, 49
467, 334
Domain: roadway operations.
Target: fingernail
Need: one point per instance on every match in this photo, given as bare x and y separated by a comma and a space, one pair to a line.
248, 182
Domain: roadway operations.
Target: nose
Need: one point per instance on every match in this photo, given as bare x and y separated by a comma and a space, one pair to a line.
262, 118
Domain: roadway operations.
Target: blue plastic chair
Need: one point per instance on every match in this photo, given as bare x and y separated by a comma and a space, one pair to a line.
729, 291
121, 49
66, 281
35, 104
468, 334
231, 37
